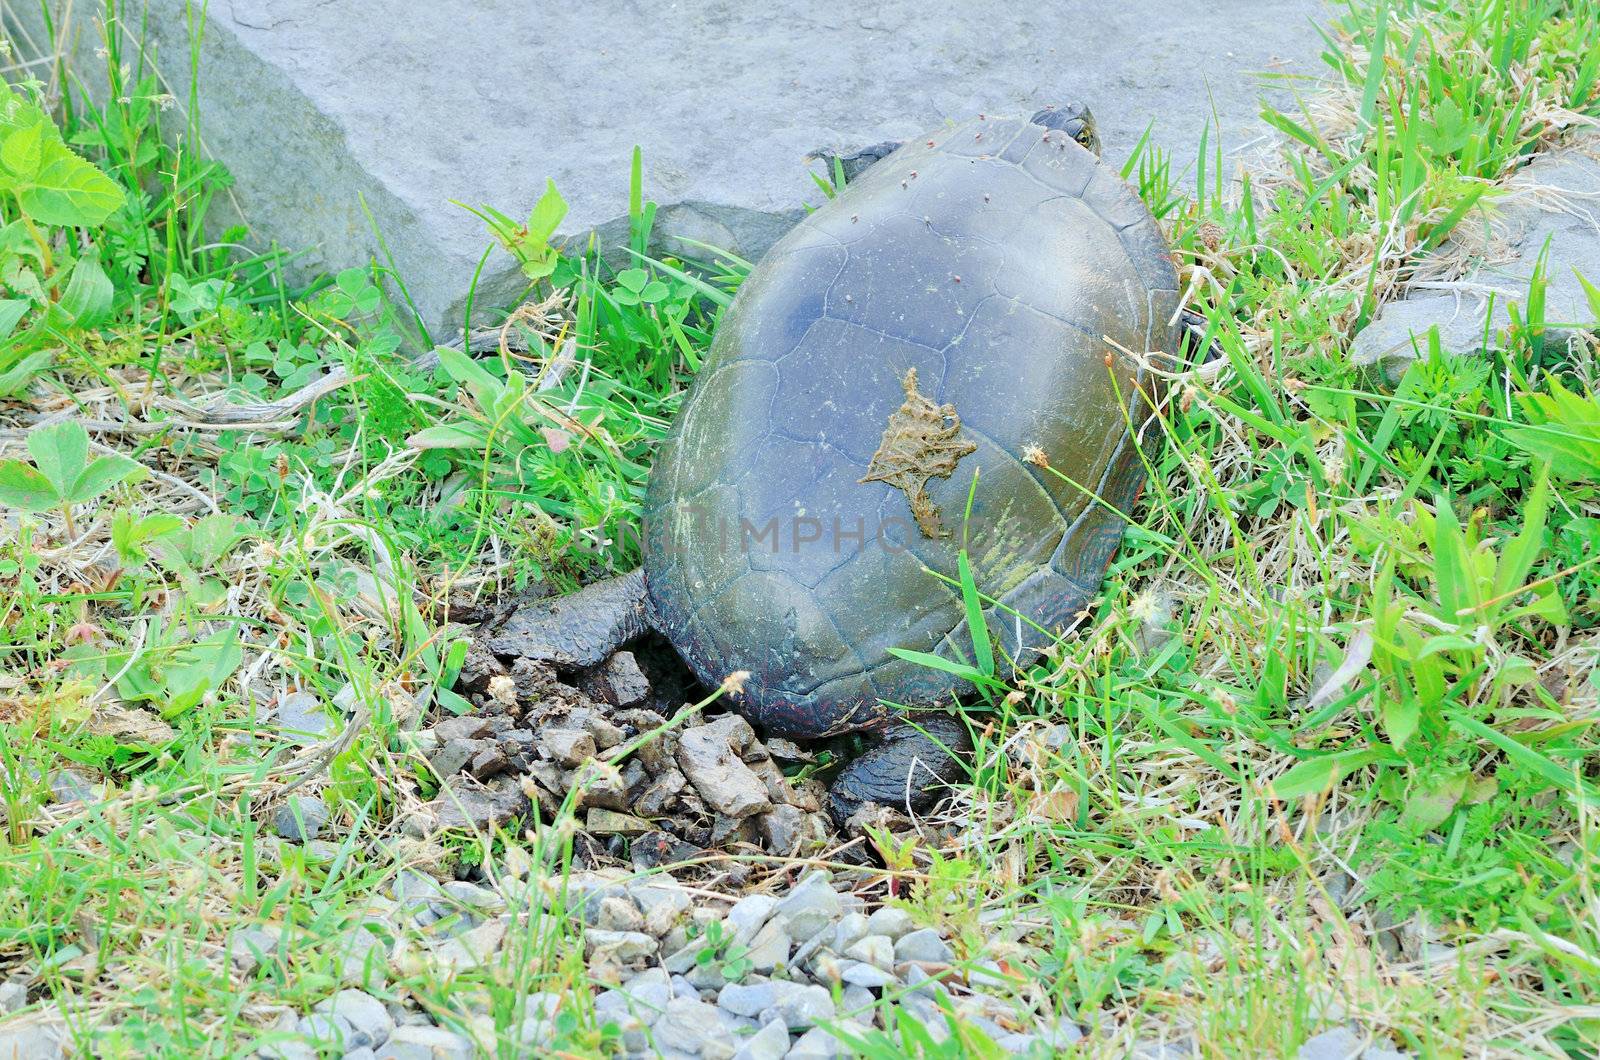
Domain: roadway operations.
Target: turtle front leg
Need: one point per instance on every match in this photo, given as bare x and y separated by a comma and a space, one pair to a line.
906, 769
579, 630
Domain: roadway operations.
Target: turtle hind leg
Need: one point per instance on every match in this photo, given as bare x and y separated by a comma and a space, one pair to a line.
906, 769
579, 630
852, 165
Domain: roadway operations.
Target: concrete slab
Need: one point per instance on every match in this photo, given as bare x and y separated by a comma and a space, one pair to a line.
1551, 208
317, 104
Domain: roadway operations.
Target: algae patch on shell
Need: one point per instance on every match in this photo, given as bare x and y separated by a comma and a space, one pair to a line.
922, 441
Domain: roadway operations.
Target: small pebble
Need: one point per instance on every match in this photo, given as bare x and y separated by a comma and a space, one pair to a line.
692, 1027
867, 975
623, 945
770, 947
923, 945
661, 905
363, 1011
332, 1030
300, 819
247, 948
70, 786
857, 1001
769, 1043
876, 950
812, 906
891, 922
647, 993
852, 929
800, 1006
302, 713
474, 897
619, 914
424, 1042
748, 999
748, 914
820, 1044
1340, 1043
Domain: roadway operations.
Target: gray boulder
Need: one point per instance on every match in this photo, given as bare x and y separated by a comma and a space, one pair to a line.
1550, 204
429, 103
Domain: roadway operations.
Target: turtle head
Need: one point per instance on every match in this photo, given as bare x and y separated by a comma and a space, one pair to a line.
1074, 119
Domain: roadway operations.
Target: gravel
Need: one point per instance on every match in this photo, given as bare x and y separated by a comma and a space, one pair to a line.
540, 739
332, 1030
856, 972
761, 976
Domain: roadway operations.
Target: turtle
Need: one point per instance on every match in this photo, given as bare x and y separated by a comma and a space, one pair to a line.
945, 367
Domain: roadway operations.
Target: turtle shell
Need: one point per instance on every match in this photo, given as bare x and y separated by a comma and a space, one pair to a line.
935, 359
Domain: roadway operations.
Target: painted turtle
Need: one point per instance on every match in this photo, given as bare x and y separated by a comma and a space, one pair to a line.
947, 355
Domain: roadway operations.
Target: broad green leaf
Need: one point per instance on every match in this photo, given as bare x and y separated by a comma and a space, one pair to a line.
1428, 805
1547, 606
1515, 670
61, 452
213, 537
547, 214
22, 278
102, 474
1522, 551
1401, 715
22, 152
1452, 567
130, 533
69, 190
1320, 774
448, 436
1447, 642
175, 675
87, 298
22, 486
1590, 292
17, 377
1564, 430
485, 388
12, 310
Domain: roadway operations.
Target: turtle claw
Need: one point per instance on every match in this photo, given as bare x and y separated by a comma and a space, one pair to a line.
580, 630
906, 769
